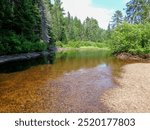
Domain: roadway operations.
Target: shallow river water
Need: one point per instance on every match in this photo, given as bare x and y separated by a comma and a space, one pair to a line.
71, 81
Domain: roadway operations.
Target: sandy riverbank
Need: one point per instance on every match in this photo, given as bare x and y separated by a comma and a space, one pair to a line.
133, 92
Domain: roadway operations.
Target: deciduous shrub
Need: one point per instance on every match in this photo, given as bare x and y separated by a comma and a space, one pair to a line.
132, 38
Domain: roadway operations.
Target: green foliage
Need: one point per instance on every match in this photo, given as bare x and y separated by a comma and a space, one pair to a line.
13, 43
138, 11
92, 32
89, 30
132, 38
46, 26
59, 44
20, 26
78, 44
72, 29
24, 23
28, 46
116, 19
58, 21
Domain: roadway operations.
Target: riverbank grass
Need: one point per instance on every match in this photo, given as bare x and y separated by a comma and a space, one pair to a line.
82, 44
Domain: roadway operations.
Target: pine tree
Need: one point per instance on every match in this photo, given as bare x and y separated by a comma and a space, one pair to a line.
138, 11
58, 21
116, 19
69, 27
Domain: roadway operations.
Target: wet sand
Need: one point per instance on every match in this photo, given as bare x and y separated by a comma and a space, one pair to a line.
133, 92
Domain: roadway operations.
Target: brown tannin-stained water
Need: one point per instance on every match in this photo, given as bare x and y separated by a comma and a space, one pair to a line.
71, 81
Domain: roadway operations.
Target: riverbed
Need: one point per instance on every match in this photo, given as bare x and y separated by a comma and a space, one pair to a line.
70, 81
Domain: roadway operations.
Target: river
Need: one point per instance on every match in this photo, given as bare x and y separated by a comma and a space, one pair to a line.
70, 81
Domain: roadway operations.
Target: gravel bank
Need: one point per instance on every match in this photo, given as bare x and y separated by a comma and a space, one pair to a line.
133, 92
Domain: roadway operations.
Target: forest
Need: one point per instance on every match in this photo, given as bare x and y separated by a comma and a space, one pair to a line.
37, 25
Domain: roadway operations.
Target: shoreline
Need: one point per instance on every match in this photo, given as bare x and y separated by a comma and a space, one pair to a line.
32, 55
128, 56
23, 56
132, 93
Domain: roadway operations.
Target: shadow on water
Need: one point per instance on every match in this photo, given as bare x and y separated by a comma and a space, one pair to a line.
65, 60
16, 66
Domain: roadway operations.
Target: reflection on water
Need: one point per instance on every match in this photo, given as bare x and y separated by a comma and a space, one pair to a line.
71, 81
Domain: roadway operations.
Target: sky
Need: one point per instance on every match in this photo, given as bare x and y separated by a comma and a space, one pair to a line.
101, 10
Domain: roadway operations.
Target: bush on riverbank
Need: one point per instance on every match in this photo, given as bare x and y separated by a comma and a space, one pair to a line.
131, 38
78, 44
13, 43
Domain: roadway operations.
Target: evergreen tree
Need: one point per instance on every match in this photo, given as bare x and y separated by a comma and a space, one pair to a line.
69, 27
109, 31
138, 11
20, 26
58, 21
77, 28
46, 20
92, 32
116, 19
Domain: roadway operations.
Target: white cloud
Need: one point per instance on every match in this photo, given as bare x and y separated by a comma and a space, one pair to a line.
84, 8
